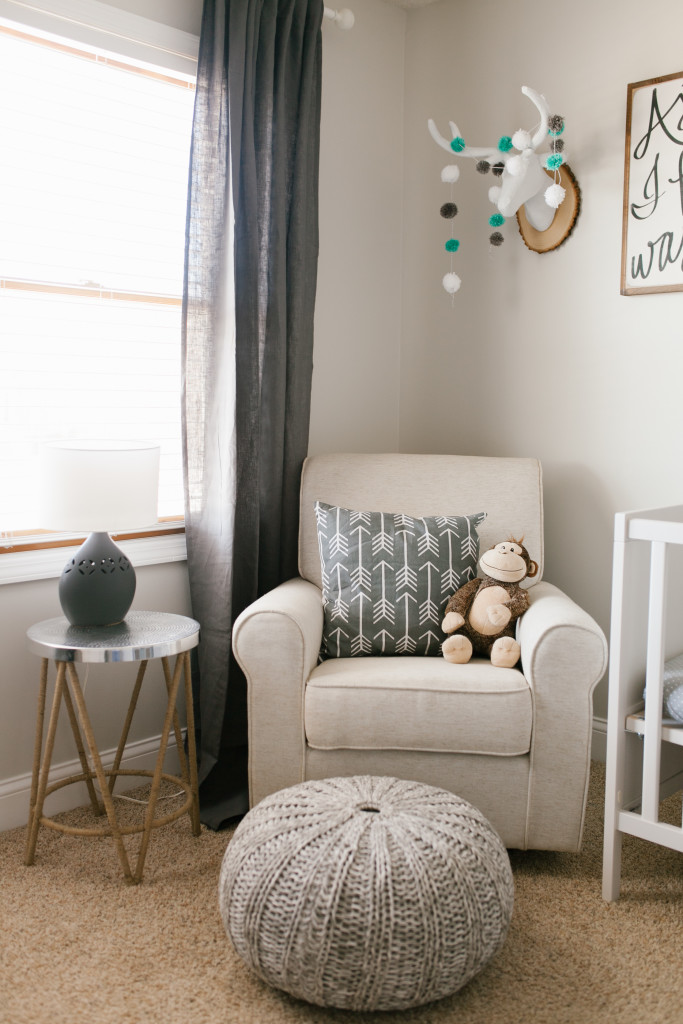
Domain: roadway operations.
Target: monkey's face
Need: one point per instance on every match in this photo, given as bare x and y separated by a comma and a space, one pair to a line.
505, 562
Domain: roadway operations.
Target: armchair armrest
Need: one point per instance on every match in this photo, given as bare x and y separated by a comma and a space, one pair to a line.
564, 655
276, 641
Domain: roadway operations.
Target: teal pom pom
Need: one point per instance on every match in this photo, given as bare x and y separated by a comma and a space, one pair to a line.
458, 144
452, 245
554, 161
496, 219
505, 144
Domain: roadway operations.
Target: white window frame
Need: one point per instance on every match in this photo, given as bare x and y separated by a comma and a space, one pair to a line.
162, 46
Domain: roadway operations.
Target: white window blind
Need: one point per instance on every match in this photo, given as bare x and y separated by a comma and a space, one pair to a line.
94, 154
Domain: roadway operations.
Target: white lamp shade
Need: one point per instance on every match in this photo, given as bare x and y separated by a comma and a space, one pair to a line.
99, 486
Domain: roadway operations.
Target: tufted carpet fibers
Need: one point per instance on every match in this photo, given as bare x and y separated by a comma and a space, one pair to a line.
79, 946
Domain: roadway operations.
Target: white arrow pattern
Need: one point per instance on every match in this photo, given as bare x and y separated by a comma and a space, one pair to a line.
382, 541
361, 644
383, 607
361, 578
385, 577
429, 609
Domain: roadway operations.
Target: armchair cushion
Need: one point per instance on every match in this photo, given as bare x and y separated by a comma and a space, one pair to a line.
387, 576
418, 704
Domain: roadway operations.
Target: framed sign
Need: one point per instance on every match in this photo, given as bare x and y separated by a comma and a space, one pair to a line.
652, 238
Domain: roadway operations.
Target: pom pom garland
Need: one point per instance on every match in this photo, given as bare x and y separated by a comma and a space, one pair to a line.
524, 158
448, 211
451, 283
554, 195
450, 174
521, 139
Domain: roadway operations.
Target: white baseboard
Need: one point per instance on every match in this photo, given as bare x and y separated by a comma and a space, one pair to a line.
599, 741
15, 793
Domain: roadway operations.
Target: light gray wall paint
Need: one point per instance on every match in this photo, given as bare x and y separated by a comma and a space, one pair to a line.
540, 354
354, 402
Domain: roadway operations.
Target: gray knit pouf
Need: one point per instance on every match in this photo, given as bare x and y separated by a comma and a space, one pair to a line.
366, 893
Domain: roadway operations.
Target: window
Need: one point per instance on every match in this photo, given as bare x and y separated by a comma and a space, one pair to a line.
93, 187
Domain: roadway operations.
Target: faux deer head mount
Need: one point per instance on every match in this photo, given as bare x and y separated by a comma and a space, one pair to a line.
532, 171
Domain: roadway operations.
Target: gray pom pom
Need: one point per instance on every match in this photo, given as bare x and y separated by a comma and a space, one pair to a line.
496, 238
558, 145
448, 210
498, 169
555, 124
483, 166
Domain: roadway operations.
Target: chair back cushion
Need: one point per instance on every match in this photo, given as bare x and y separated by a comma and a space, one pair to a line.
509, 490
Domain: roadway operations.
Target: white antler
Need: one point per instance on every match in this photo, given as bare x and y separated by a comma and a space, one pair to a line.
482, 152
541, 105
479, 152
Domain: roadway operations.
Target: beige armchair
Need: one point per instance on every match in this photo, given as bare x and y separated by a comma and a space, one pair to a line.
514, 742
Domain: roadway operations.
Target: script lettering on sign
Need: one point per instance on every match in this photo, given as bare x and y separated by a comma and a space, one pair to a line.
652, 241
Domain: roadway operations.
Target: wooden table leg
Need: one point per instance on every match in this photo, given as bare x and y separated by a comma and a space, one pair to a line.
126, 727
99, 772
176, 724
191, 743
41, 768
97, 807
156, 779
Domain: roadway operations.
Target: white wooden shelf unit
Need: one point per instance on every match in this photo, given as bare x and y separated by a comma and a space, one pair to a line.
660, 528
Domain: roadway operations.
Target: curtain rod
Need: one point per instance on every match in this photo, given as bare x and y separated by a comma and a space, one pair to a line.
343, 19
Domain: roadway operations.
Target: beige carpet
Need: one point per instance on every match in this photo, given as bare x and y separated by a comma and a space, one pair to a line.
78, 945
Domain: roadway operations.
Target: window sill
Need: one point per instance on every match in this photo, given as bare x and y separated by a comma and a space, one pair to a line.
47, 563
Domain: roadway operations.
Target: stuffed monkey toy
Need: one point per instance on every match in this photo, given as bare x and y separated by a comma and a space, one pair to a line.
481, 615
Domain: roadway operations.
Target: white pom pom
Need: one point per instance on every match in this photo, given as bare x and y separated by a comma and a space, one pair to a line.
494, 193
451, 173
554, 195
515, 166
521, 139
451, 283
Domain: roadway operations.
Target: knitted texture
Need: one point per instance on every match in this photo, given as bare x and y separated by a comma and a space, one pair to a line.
366, 893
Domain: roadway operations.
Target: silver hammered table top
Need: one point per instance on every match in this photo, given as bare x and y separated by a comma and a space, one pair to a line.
141, 635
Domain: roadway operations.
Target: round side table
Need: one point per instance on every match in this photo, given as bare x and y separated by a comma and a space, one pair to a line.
141, 637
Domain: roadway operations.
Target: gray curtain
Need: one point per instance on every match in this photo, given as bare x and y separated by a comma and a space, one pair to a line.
250, 280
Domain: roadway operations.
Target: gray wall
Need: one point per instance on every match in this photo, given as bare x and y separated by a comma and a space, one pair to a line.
540, 354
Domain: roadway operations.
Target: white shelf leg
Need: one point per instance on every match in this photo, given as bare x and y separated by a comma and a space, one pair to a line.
653, 681
616, 736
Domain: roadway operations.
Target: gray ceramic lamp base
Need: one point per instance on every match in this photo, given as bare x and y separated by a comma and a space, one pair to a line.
97, 585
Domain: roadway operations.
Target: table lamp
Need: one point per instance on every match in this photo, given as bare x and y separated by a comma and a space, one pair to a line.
98, 487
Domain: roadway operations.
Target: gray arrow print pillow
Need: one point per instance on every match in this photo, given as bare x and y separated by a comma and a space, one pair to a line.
387, 576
